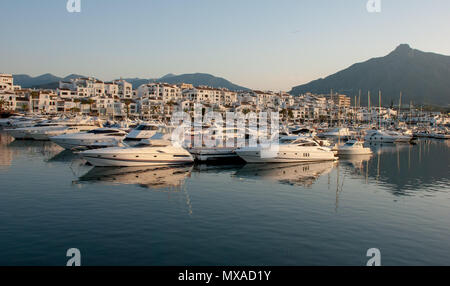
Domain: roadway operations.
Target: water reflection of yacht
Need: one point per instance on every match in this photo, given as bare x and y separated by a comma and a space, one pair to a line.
298, 174
148, 177
378, 149
63, 156
355, 161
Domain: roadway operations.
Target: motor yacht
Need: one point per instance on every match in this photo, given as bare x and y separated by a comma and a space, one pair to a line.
378, 136
441, 134
399, 137
96, 138
352, 147
20, 122
336, 132
155, 151
26, 132
291, 149
45, 134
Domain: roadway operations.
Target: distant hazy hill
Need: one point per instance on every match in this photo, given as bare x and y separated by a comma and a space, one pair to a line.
424, 78
52, 82
28, 81
194, 78
43, 81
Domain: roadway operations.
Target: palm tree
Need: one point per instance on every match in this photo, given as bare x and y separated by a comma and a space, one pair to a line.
127, 103
155, 109
90, 101
75, 110
290, 113
2, 102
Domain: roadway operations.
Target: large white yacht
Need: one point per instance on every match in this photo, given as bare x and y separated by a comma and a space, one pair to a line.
26, 132
155, 151
45, 133
352, 147
96, 138
291, 149
20, 121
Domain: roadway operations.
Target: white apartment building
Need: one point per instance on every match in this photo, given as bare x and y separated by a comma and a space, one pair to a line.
159, 91
124, 89
83, 87
6, 82
111, 89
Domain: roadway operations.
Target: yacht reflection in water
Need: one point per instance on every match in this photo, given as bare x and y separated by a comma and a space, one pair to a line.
304, 174
146, 177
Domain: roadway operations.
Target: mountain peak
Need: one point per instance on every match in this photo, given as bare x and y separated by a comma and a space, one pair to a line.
422, 77
168, 75
402, 49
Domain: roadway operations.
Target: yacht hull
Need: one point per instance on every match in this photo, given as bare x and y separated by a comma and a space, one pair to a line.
285, 157
123, 162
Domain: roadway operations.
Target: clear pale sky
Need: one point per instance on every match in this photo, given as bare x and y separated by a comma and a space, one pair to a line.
255, 43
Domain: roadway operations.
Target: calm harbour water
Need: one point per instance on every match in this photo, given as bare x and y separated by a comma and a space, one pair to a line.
397, 200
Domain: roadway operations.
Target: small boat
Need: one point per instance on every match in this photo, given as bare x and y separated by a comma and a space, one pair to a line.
149, 152
352, 147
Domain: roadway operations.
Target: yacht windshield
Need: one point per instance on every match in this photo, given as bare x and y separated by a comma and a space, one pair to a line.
100, 131
147, 127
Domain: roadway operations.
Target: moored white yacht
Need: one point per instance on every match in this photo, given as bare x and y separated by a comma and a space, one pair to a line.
377, 136
289, 150
26, 132
352, 147
150, 152
336, 132
96, 138
400, 137
44, 134
441, 134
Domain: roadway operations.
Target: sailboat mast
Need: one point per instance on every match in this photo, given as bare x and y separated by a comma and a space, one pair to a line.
379, 109
368, 108
399, 107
